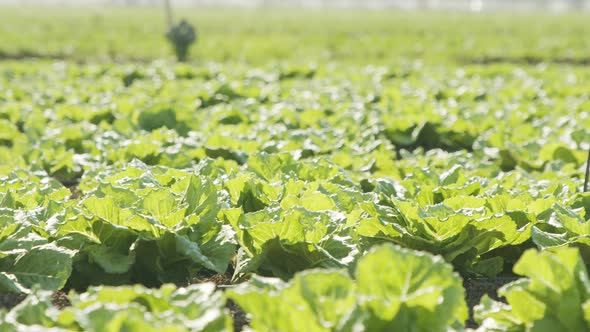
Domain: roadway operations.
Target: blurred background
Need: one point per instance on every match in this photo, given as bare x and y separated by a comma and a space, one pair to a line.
258, 32
474, 5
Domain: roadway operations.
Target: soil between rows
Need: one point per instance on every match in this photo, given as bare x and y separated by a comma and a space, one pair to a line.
8, 301
475, 288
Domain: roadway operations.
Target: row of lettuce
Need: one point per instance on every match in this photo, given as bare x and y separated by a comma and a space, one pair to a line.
300, 177
534, 119
135, 223
392, 289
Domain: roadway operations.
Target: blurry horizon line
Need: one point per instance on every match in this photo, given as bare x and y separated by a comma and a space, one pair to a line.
434, 5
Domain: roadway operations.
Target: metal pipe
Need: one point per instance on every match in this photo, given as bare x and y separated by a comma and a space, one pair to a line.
169, 17
587, 172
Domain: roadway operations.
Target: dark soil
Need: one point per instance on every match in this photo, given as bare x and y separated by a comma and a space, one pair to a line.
72, 185
223, 281
475, 288
218, 279
76, 193
9, 300
23, 55
60, 300
238, 315
525, 60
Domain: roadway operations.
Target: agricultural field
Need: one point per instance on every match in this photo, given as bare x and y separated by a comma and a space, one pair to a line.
303, 171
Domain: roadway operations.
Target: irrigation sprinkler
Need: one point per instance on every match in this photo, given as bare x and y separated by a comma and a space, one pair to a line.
181, 35
169, 16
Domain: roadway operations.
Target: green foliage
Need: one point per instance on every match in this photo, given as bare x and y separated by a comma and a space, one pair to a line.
147, 224
381, 37
395, 289
554, 296
313, 182
129, 308
360, 153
